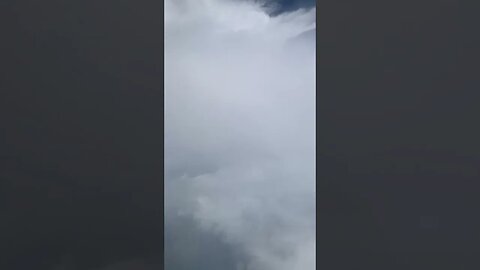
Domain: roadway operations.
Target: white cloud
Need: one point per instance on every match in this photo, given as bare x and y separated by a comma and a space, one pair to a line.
240, 126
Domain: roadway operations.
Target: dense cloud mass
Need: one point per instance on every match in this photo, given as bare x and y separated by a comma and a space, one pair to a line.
239, 136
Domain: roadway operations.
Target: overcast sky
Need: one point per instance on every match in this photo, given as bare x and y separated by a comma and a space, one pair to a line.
81, 149
239, 136
81, 159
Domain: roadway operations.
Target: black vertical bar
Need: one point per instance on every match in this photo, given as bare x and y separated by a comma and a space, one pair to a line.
398, 140
81, 137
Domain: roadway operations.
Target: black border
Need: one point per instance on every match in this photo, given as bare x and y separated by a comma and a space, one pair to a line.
74, 144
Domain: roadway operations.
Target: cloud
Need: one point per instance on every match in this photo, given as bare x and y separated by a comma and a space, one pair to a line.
240, 128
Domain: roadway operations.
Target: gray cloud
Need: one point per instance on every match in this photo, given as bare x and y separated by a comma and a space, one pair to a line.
240, 132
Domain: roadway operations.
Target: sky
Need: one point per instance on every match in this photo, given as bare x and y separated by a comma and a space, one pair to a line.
81, 149
397, 147
239, 136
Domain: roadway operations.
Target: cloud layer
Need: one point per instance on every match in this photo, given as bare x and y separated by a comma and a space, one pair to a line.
240, 129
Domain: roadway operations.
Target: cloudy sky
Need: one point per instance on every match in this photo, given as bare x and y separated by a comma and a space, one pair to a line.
239, 135
81, 159
81, 149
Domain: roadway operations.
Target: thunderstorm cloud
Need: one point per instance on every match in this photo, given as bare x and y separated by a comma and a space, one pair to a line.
239, 136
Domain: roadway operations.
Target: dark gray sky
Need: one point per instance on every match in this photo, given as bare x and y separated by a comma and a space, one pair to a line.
290, 5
